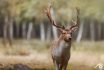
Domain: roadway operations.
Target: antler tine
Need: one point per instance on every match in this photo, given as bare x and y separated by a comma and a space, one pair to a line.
49, 15
77, 21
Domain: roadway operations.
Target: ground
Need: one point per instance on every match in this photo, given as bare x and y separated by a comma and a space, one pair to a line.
34, 56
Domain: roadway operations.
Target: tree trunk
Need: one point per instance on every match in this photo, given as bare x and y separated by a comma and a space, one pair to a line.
48, 33
5, 30
24, 30
99, 31
10, 31
102, 33
80, 32
30, 27
17, 30
54, 29
55, 33
92, 31
42, 32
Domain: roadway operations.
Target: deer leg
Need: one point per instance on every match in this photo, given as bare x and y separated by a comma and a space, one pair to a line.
61, 66
55, 64
65, 66
57, 67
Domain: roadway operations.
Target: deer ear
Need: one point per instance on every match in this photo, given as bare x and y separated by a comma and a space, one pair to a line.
61, 29
73, 29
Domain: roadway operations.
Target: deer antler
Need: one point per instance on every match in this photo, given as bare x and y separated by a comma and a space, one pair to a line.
76, 23
49, 15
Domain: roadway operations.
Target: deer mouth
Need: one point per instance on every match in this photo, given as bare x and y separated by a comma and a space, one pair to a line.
67, 40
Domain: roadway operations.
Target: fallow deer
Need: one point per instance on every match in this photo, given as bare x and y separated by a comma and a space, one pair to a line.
60, 51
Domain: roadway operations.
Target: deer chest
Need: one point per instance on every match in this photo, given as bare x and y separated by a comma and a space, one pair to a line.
63, 49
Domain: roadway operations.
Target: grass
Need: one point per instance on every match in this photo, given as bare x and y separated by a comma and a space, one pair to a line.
88, 46
24, 45
31, 66
35, 54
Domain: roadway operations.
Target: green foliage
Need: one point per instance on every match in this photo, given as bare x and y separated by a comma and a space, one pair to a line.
12, 8
90, 8
64, 9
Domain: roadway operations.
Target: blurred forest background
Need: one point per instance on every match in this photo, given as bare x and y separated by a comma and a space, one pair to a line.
25, 20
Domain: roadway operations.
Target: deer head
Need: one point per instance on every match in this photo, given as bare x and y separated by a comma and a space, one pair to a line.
66, 33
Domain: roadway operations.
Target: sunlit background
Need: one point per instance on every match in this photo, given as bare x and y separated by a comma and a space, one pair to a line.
26, 34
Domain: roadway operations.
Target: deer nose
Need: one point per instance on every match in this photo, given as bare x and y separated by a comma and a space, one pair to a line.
69, 36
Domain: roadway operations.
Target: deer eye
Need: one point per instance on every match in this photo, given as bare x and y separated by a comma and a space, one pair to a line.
63, 32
